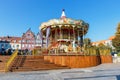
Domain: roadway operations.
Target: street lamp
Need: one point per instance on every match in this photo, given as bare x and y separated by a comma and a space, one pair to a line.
21, 43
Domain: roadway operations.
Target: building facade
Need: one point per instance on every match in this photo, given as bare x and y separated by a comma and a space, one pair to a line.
107, 42
28, 40
10, 42
38, 40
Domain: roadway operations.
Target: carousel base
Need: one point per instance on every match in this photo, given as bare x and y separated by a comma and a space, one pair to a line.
78, 61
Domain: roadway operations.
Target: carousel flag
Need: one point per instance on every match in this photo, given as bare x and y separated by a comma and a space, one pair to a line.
48, 32
47, 36
47, 42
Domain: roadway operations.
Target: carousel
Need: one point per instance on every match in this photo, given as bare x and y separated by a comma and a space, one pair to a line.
63, 35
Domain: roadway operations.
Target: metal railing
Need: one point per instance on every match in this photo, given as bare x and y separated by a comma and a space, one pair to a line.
9, 62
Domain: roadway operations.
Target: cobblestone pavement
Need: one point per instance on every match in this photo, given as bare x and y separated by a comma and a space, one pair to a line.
101, 72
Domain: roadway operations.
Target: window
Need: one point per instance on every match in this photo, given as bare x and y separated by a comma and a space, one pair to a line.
26, 45
19, 41
2, 45
6, 45
28, 36
14, 41
32, 45
28, 41
23, 40
29, 45
17, 46
23, 45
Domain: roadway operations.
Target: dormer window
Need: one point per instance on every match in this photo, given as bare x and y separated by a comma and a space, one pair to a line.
28, 36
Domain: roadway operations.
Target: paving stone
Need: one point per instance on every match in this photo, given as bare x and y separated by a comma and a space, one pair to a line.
102, 72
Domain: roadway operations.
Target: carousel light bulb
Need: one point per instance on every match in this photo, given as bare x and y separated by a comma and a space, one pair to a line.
73, 26
60, 26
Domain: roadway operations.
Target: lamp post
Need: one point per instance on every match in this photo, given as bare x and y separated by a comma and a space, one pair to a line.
21, 44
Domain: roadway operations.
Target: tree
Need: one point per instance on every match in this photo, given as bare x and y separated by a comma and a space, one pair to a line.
87, 42
116, 40
101, 45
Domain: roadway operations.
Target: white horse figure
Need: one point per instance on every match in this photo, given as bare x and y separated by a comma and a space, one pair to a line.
74, 46
65, 48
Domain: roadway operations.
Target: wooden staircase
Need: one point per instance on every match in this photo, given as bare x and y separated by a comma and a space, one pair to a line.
3, 60
33, 63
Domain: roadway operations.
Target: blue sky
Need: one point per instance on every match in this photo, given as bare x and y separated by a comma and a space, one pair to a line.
17, 16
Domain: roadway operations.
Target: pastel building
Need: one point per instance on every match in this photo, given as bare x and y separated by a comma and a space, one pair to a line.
107, 42
10, 42
38, 40
16, 43
28, 40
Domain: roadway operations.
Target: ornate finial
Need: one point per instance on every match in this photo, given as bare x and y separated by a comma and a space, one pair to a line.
63, 10
63, 14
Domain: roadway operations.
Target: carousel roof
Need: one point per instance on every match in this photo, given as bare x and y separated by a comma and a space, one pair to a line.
62, 21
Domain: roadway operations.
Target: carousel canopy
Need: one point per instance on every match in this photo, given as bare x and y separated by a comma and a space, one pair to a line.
63, 21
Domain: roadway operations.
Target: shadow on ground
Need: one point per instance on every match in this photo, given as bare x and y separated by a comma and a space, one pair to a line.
92, 77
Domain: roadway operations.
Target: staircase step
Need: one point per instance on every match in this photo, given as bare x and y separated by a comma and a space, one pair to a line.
3, 60
37, 69
33, 63
2, 70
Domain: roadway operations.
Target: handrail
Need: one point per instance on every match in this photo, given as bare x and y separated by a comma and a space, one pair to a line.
12, 57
